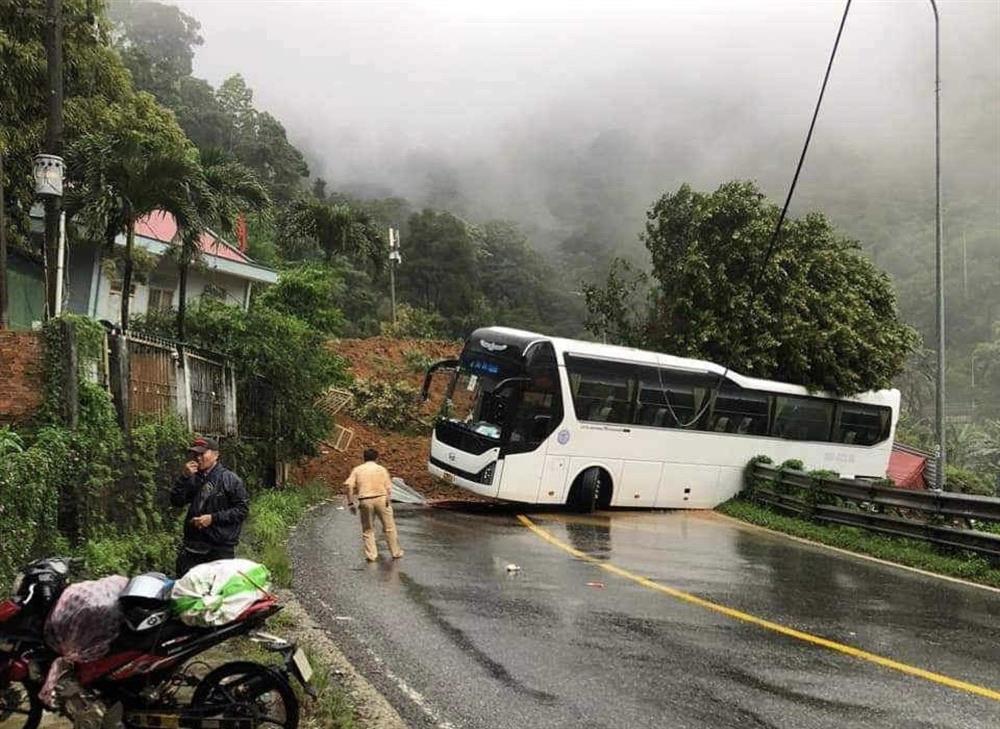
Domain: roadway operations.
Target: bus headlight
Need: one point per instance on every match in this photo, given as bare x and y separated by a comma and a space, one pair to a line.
486, 475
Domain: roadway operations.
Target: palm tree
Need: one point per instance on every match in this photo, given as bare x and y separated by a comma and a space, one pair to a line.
337, 228
223, 190
123, 175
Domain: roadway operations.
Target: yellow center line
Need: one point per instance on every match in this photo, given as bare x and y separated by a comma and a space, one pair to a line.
765, 624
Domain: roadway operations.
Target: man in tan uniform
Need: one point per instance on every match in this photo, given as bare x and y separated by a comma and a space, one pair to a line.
374, 489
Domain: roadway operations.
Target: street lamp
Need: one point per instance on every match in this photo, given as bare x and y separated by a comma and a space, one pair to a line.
48, 171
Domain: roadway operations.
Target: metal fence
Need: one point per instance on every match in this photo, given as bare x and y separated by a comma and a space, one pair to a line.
946, 519
152, 378
164, 379
207, 387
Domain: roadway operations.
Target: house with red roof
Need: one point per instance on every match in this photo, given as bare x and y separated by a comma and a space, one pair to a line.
223, 272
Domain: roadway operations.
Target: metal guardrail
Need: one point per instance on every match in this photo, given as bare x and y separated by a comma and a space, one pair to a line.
925, 515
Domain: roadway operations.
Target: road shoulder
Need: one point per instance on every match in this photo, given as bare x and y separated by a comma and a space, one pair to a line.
848, 552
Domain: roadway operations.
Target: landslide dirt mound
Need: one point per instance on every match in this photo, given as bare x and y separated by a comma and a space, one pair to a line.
393, 360
389, 360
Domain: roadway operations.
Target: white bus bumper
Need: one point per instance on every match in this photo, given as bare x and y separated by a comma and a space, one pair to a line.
455, 466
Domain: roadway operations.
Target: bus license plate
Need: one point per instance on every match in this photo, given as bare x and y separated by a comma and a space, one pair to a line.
302, 665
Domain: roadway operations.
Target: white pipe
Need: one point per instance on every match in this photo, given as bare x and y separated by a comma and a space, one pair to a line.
60, 263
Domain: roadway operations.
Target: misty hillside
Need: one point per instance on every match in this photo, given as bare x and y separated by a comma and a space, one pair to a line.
569, 120
572, 118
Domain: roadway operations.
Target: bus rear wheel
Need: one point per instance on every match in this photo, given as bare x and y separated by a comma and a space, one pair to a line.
591, 490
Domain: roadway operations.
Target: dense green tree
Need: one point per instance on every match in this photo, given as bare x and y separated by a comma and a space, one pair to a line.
285, 352
310, 292
144, 163
817, 312
259, 140
439, 269
221, 191
157, 42
95, 86
616, 310
336, 229
519, 287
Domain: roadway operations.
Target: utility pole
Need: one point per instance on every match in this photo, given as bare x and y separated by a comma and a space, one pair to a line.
965, 265
939, 410
53, 148
394, 258
4, 316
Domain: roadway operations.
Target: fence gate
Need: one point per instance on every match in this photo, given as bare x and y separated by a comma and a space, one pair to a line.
152, 378
207, 380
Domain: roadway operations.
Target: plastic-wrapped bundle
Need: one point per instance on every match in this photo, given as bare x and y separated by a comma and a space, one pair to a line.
82, 625
216, 593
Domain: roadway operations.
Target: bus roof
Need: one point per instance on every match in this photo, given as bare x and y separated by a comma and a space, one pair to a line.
641, 356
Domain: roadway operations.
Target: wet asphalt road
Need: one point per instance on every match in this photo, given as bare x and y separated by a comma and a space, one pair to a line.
454, 640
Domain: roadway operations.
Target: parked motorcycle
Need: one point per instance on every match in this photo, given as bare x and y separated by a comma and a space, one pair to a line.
147, 679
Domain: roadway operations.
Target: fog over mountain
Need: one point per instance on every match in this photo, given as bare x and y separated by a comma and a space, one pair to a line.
563, 115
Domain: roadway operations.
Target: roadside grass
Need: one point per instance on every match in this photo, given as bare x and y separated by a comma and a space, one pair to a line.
909, 552
273, 514
331, 709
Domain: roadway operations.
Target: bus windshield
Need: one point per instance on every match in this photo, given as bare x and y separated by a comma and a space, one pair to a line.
478, 405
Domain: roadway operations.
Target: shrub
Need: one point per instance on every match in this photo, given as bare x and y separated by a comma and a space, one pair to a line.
10, 442
284, 351
417, 361
131, 554
964, 481
415, 323
390, 406
272, 515
29, 502
308, 292
749, 480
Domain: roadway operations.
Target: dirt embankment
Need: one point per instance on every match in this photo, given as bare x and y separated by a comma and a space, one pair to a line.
390, 360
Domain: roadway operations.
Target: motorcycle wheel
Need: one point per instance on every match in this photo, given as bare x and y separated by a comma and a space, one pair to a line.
243, 688
20, 707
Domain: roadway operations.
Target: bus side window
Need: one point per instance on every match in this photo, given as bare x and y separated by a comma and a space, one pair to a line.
802, 418
603, 392
860, 424
744, 412
670, 399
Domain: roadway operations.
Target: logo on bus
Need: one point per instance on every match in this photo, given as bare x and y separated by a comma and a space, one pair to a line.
451, 456
563, 437
492, 346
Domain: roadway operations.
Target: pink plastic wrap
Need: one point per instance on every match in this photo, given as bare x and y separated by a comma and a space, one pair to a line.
82, 625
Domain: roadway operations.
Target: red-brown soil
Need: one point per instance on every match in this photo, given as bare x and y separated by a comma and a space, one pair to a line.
381, 358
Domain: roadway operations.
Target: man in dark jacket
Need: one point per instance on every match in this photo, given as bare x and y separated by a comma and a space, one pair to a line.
217, 506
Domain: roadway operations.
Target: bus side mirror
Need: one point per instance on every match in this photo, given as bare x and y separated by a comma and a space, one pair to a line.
442, 365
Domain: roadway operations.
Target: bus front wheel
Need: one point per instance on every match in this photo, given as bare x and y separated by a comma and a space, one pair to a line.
591, 490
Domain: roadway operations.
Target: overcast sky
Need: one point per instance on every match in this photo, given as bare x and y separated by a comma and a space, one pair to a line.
504, 97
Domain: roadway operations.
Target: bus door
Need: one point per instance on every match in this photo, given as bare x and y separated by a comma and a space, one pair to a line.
537, 413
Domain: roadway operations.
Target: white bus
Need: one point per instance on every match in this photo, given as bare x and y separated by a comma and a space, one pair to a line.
543, 420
